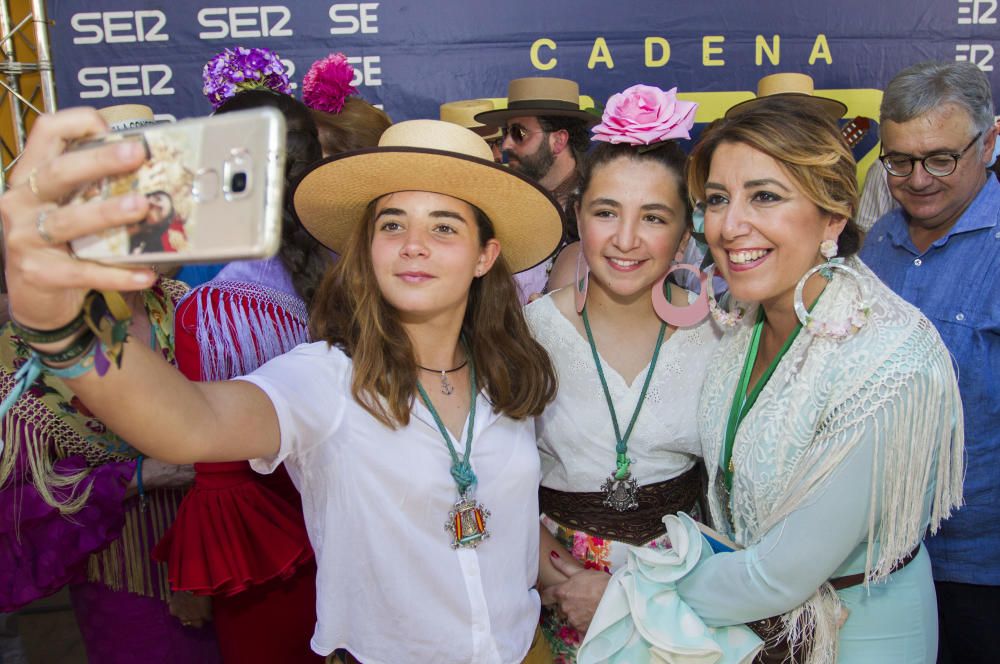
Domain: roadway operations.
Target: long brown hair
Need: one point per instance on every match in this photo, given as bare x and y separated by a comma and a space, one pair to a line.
350, 312
358, 125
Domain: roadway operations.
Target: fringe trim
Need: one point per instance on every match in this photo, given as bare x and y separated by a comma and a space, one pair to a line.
237, 339
920, 427
38, 445
816, 622
46, 435
126, 564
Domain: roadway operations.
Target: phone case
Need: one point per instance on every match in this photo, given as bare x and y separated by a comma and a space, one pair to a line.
215, 189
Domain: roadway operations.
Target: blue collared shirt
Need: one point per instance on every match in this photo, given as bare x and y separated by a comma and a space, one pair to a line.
956, 284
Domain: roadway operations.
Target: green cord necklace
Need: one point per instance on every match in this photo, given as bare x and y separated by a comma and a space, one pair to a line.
744, 400
467, 520
621, 489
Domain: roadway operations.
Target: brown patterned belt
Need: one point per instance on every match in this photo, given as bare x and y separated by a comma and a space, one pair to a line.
586, 511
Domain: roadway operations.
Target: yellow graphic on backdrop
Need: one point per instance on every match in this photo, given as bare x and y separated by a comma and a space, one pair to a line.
657, 52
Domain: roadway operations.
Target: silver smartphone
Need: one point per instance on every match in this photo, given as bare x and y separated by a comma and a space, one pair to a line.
214, 186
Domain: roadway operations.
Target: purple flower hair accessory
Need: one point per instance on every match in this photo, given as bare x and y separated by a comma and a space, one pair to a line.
241, 68
645, 114
327, 84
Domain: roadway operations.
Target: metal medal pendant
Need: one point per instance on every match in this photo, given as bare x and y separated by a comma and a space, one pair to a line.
446, 387
621, 495
467, 523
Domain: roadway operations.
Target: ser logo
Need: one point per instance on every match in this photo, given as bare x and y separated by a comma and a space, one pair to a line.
125, 81
980, 55
243, 22
124, 27
353, 17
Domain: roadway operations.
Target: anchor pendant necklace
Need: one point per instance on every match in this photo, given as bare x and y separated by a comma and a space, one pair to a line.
467, 520
446, 387
621, 490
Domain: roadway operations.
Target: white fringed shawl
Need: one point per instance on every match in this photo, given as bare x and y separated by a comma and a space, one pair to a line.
260, 323
895, 378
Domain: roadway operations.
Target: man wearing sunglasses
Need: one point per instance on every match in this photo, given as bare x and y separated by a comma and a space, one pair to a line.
545, 132
941, 251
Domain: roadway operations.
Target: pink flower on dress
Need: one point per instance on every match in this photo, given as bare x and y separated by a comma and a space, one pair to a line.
327, 84
645, 114
580, 545
569, 635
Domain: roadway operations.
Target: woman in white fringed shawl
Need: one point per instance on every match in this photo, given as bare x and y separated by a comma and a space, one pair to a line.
828, 481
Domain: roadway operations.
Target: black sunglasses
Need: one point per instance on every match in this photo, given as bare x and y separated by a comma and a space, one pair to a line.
518, 133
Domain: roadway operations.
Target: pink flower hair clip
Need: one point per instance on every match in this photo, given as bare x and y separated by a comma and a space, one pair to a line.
644, 115
327, 84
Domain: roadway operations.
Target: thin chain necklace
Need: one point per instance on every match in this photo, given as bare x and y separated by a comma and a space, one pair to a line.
621, 490
467, 519
446, 387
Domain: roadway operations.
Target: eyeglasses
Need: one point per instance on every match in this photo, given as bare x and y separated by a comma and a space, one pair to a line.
938, 164
518, 133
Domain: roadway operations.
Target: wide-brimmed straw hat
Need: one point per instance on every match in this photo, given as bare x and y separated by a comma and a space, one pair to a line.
463, 113
795, 86
540, 95
434, 156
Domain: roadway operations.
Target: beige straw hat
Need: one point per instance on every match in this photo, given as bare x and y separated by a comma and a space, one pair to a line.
434, 156
463, 114
540, 95
127, 116
791, 85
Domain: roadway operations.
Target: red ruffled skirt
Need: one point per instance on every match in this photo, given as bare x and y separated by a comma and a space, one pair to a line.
235, 529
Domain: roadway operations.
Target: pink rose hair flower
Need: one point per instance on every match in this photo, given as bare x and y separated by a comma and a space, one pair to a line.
327, 84
645, 114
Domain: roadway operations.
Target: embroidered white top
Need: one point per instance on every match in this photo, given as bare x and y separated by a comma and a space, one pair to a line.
576, 439
389, 586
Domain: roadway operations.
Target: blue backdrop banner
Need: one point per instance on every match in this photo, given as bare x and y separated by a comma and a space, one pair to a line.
412, 55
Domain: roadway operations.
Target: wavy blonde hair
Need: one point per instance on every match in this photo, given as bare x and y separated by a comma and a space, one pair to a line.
807, 144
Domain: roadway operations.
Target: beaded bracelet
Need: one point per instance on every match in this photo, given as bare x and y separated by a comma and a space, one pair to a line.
34, 336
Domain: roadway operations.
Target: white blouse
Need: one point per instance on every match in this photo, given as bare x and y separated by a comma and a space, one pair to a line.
575, 435
389, 586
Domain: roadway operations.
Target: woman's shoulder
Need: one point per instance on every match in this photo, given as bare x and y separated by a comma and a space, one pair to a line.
891, 321
234, 300
548, 316
540, 311
321, 353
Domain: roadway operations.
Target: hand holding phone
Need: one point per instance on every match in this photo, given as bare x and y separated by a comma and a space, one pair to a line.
214, 189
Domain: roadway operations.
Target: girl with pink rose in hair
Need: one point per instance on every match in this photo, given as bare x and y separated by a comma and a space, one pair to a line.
619, 445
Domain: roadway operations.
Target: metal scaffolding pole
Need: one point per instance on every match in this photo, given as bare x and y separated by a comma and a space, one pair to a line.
23, 103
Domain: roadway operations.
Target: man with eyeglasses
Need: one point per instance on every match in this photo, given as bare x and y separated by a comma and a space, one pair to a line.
941, 251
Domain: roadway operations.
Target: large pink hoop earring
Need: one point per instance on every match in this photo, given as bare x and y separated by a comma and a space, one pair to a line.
582, 281
688, 316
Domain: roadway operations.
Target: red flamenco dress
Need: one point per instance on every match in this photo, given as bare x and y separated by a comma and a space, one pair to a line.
240, 536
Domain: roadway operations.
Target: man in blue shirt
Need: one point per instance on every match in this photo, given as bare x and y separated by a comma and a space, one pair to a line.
941, 252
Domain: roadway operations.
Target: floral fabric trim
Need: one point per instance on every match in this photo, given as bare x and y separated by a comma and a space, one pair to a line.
595, 553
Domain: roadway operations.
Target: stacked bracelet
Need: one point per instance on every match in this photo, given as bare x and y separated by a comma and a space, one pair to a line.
75, 351
33, 336
83, 363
